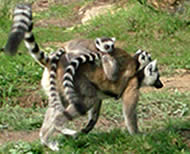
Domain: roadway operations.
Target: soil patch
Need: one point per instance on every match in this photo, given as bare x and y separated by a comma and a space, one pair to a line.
30, 136
79, 14
10, 136
32, 98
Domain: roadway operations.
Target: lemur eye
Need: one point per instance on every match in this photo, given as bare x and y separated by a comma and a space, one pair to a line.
143, 57
112, 46
106, 47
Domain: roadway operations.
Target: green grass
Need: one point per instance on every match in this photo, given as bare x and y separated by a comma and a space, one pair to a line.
16, 75
114, 141
16, 118
162, 115
161, 129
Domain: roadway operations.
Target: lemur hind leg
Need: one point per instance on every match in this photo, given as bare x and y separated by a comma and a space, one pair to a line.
48, 129
55, 121
87, 93
93, 115
60, 120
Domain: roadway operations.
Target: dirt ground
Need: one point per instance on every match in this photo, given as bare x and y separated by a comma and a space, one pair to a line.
8, 136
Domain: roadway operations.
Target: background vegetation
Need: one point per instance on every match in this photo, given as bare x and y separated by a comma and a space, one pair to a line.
163, 115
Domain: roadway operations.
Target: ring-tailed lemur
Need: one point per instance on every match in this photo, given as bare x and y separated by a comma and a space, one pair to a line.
149, 76
142, 59
55, 119
103, 48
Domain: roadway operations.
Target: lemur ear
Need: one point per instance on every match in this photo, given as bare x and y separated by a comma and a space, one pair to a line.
138, 51
113, 39
151, 67
98, 40
149, 57
154, 64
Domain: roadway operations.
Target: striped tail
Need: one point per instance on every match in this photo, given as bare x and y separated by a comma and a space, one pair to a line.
54, 98
22, 30
68, 79
22, 21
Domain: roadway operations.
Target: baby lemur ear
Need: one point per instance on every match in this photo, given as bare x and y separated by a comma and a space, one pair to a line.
97, 41
138, 51
113, 39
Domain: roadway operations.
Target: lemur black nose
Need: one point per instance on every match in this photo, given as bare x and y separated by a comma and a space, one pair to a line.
158, 84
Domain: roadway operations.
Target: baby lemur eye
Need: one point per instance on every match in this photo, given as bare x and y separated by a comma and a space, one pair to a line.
106, 47
97, 42
143, 57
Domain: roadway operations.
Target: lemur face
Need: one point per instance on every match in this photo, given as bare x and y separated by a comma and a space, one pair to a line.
105, 44
151, 75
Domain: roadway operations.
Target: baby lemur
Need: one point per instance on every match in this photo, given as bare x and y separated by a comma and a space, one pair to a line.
102, 48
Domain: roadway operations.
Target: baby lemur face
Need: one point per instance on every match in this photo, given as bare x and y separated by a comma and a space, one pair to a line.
105, 44
143, 58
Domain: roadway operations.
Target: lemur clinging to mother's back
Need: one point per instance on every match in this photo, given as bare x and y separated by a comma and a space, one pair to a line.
104, 47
